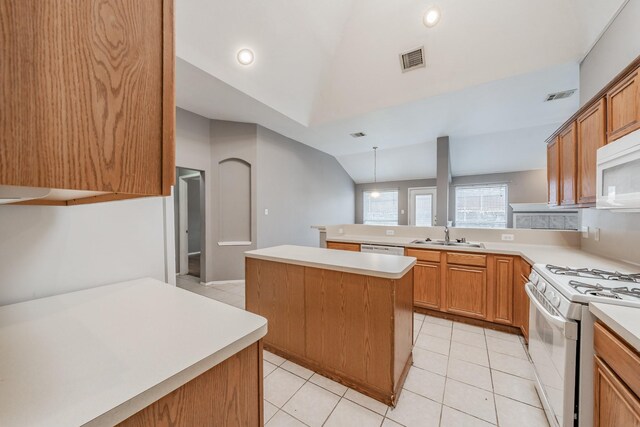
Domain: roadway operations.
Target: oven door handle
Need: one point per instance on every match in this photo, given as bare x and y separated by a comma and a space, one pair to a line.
568, 327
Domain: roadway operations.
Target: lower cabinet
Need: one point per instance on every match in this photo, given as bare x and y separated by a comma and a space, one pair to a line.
615, 405
503, 278
616, 380
466, 291
488, 287
426, 285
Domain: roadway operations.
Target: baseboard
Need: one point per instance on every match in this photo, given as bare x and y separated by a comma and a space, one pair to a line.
194, 253
224, 282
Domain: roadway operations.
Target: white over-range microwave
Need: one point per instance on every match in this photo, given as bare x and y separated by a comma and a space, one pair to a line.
618, 174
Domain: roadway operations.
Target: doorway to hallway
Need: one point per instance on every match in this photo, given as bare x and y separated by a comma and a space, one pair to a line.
190, 224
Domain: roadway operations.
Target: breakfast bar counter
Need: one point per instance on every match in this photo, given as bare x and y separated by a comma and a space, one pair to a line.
345, 315
134, 353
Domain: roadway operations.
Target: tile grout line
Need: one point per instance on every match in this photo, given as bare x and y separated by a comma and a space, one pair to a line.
335, 394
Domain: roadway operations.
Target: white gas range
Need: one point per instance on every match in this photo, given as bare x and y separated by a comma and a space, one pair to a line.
561, 334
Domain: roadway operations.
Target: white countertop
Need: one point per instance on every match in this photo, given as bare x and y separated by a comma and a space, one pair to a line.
534, 254
624, 321
377, 265
100, 355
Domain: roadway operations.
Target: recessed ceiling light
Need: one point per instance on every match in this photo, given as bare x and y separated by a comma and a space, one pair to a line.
245, 56
431, 17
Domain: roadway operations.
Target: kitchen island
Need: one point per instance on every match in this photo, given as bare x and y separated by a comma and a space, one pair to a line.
135, 353
346, 315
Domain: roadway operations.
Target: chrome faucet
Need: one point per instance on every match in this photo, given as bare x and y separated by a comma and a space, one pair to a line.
446, 235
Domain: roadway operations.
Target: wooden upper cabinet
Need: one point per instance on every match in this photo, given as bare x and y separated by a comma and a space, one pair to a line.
623, 107
87, 96
553, 172
592, 134
567, 140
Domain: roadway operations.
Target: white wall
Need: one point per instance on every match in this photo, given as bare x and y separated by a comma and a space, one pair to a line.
49, 250
617, 47
301, 187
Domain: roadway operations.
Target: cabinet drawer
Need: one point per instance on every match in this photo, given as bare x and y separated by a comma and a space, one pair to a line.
624, 361
353, 247
424, 255
466, 259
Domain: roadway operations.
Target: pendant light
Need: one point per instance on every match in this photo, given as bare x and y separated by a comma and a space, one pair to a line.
375, 194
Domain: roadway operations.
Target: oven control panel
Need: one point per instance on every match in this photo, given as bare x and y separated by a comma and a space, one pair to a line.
554, 297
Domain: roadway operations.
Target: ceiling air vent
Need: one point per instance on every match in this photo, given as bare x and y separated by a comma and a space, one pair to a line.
358, 134
412, 59
559, 95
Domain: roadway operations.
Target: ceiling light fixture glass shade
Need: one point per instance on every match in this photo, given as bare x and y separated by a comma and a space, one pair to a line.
375, 194
245, 56
431, 17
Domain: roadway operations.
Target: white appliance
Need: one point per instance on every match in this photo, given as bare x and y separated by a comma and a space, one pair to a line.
379, 249
618, 174
561, 335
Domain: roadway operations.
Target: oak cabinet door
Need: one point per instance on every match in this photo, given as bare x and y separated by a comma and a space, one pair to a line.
466, 291
88, 100
592, 134
623, 107
426, 285
553, 172
503, 281
353, 247
568, 141
614, 404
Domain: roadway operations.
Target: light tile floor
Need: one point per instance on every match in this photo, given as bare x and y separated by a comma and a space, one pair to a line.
462, 376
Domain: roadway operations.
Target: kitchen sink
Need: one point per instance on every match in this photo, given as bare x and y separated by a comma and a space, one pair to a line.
443, 243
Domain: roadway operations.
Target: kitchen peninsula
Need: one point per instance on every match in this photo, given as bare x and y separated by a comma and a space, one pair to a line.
345, 315
134, 353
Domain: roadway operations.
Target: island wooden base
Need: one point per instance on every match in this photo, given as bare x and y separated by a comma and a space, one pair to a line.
353, 383
355, 329
229, 394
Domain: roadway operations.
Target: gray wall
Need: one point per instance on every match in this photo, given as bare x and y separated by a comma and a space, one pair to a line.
403, 196
202, 144
617, 47
301, 187
231, 140
524, 187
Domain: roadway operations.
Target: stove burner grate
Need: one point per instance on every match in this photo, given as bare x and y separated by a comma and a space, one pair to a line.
602, 291
594, 273
605, 294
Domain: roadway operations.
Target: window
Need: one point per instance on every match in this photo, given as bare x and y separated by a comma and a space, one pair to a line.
422, 206
481, 206
382, 210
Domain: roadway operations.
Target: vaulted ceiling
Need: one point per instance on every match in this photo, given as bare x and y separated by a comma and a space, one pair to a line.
325, 69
